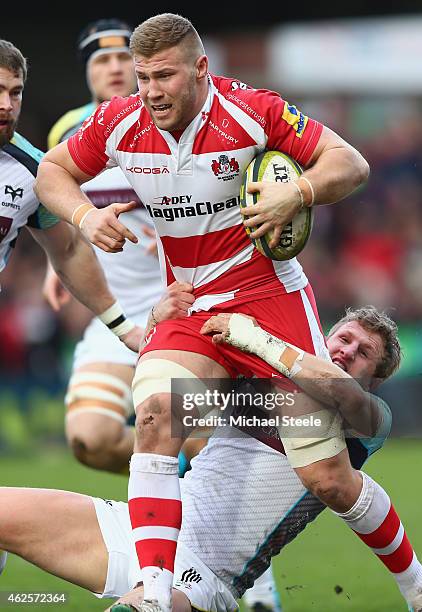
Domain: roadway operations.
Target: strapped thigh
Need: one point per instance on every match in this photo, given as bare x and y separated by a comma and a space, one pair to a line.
154, 376
99, 393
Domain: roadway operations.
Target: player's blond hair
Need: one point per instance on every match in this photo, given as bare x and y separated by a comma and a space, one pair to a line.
164, 31
371, 319
12, 59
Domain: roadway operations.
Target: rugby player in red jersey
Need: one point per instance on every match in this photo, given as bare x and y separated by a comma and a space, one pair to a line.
183, 142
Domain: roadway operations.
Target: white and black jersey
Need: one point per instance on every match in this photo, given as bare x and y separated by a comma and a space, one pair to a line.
19, 205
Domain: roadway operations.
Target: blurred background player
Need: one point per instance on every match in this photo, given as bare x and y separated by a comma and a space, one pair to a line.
99, 398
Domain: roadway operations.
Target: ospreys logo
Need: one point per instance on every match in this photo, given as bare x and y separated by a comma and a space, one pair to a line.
15, 193
225, 168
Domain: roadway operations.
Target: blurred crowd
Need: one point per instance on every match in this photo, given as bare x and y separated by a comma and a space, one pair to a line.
367, 249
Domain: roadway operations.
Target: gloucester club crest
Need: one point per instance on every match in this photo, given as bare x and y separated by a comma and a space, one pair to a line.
225, 168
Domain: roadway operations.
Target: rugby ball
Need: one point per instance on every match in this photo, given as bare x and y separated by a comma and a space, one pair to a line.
277, 167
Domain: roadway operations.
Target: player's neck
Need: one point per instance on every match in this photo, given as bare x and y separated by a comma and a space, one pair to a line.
177, 134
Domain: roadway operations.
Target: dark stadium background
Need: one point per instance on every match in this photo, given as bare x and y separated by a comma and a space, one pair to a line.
367, 249
47, 35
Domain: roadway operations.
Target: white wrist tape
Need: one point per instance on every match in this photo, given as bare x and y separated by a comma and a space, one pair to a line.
281, 355
303, 178
123, 328
302, 201
116, 321
84, 216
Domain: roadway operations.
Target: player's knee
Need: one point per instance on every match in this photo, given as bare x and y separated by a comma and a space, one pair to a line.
322, 482
152, 415
154, 396
93, 438
97, 406
329, 491
84, 446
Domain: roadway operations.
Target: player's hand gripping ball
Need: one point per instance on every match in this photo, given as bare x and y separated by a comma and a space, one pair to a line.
277, 167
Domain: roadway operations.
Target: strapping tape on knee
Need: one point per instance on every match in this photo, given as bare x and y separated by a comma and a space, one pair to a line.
99, 393
154, 376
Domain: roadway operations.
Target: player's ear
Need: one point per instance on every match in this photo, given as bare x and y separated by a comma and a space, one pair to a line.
201, 66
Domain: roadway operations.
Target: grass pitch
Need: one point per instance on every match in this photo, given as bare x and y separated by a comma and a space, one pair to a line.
326, 569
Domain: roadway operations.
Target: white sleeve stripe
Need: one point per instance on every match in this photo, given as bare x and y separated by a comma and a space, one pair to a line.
119, 132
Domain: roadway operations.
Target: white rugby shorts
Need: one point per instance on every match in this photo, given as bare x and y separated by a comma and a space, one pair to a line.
191, 576
99, 344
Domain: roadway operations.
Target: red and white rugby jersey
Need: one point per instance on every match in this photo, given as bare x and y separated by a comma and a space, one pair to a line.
190, 187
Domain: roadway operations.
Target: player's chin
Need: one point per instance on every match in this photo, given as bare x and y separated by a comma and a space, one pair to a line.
165, 121
6, 136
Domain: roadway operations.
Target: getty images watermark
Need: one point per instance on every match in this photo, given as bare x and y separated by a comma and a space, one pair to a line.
226, 409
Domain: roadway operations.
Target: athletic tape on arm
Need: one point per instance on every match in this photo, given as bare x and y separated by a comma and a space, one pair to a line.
281, 355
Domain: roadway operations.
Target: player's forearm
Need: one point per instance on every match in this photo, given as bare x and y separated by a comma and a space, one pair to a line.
58, 190
80, 272
327, 383
336, 174
320, 379
331, 386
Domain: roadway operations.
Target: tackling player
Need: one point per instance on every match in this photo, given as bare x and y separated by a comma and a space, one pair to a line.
95, 534
172, 141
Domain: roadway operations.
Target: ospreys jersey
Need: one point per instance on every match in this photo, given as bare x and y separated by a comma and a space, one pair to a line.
243, 502
19, 205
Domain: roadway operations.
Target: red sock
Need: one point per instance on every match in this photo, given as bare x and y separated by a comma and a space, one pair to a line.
390, 543
374, 519
155, 510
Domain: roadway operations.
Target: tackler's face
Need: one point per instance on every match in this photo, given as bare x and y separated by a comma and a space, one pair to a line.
169, 86
11, 88
357, 351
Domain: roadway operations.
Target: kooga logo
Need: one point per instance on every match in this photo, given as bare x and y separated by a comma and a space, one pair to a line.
146, 170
